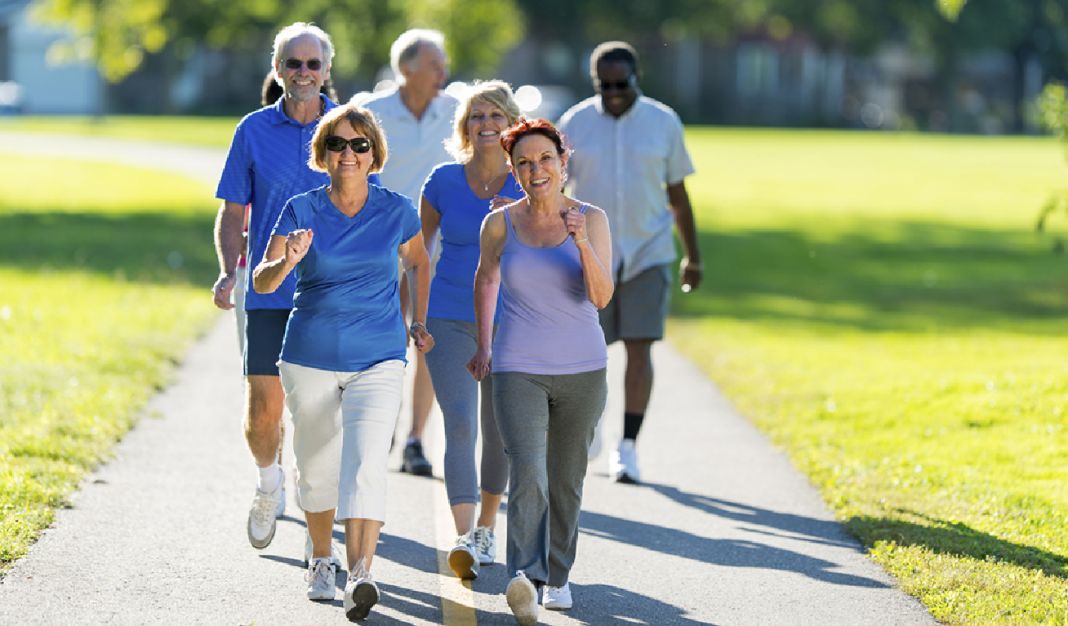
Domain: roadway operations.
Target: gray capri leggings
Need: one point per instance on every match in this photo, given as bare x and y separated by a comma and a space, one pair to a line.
457, 392
547, 425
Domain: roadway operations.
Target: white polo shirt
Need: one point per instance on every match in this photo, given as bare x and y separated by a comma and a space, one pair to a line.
416, 146
624, 165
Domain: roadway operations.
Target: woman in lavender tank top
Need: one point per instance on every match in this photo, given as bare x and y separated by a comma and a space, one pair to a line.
548, 255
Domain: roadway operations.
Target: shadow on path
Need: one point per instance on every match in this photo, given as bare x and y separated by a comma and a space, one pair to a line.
732, 552
800, 527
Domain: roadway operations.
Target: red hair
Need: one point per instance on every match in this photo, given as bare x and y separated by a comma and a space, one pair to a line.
540, 126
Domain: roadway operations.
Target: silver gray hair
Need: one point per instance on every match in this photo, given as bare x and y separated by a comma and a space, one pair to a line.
407, 46
291, 32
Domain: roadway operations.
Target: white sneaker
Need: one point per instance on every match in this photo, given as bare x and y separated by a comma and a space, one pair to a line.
263, 515
523, 600
321, 576
309, 549
485, 545
463, 561
361, 593
557, 598
623, 463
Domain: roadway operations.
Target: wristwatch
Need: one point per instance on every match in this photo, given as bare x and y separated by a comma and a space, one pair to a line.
411, 329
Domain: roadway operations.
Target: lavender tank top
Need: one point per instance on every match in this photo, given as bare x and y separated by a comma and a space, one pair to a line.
547, 324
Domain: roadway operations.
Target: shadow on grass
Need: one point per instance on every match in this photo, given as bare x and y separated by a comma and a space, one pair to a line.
883, 277
955, 538
156, 247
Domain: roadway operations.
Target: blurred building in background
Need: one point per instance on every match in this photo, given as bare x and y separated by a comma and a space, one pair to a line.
32, 81
754, 76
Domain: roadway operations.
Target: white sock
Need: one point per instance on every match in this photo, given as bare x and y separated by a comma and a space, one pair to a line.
270, 477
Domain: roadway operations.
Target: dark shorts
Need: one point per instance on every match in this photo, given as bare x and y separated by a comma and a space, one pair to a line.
264, 330
639, 306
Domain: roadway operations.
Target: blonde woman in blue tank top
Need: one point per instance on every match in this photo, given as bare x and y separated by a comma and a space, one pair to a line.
547, 255
455, 199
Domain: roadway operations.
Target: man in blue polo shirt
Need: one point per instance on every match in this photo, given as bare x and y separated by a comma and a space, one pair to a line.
267, 165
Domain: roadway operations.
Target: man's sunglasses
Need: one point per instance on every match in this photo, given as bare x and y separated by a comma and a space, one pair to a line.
359, 145
314, 65
616, 85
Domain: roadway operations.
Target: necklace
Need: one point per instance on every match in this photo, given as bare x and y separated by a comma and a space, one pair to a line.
488, 183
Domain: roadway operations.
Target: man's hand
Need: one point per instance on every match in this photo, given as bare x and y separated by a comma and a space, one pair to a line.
222, 290
690, 274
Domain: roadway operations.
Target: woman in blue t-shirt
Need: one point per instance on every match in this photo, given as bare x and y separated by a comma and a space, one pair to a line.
455, 199
345, 342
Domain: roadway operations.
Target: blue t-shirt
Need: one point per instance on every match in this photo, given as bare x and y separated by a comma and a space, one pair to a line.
267, 165
452, 290
346, 308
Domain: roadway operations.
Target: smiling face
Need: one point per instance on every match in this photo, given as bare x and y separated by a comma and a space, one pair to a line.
348, 163
302, 84
484, 125
618, 86
537, 166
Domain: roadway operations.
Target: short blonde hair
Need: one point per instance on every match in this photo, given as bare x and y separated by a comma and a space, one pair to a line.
494, 92
362, 121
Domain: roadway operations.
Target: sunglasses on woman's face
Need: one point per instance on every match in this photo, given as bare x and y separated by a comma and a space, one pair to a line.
359, 145
615, 85
314, 65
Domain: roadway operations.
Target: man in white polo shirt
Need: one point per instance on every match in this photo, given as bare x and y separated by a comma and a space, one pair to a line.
629, 159
417, 119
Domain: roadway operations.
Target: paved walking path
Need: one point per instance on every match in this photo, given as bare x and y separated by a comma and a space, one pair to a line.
724, 532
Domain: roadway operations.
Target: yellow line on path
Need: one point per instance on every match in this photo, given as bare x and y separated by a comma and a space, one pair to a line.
457, 598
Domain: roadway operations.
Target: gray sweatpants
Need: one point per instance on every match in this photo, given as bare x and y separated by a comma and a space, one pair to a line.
458, 397
547, 425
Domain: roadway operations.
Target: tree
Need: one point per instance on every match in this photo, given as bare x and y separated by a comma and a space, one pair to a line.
117, 34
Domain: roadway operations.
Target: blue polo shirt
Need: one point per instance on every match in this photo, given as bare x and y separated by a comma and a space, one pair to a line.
346, 312
267, 165
452, 292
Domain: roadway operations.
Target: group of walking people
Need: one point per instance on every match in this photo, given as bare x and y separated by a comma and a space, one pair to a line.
515, 346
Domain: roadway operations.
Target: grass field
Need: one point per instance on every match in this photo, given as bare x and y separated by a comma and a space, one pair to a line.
880, 305
103, 283
199, 131
877, 303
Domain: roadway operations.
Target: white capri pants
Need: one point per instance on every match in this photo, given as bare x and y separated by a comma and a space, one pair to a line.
342, 456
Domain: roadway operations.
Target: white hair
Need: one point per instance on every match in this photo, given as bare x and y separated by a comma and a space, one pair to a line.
291, 32
407, 46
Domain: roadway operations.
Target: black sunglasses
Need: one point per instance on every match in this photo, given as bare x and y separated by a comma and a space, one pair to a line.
616, 85
359, 145
314, 65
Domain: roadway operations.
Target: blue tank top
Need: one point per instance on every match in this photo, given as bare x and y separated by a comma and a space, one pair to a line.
547, 324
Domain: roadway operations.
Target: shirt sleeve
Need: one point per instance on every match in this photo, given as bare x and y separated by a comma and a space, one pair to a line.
235, 185
679, 165
287, 220
410, 223
431, 188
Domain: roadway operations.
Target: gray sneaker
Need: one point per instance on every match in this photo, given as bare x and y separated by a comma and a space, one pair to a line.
463, 560
522, 600
263, 514
485, 545
361, 593
321, 578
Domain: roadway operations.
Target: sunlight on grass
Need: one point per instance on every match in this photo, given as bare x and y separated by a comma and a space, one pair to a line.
880, 306
199, 131
102, 286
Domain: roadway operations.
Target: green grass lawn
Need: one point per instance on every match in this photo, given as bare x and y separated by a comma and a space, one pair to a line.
104, 280
200, 131
880, 305
877, 303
